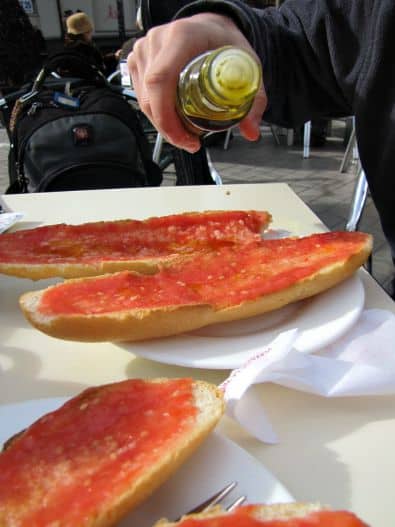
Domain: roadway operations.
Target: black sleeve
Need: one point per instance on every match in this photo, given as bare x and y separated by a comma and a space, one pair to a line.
313, 53
328, 58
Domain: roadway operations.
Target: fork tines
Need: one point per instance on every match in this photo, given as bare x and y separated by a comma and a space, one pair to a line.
217, 498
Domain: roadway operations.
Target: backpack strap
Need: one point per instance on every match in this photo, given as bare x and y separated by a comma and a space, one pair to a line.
67, 59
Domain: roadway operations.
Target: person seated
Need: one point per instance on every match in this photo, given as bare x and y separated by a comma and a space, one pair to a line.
79, 40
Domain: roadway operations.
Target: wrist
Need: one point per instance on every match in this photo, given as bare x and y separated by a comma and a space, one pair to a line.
219, 30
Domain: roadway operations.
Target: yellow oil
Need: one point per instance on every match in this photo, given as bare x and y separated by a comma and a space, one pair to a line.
216, 90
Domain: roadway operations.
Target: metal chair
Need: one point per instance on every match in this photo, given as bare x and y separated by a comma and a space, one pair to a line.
214, 174
361, 185
351, 149
358, 201
306, 139
272, 128
357, 205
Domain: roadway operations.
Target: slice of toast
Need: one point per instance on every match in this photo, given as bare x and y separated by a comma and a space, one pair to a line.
228, 284
90, 249
93, 460
277, 515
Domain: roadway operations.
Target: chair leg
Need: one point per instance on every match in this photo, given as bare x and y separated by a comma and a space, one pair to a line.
358, 201
306, 139
213, 171
275, 135
227, 139
157, 148
357, 205
349, 150
290, 136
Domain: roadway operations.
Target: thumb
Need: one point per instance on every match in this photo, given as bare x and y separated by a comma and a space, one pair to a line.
250, 125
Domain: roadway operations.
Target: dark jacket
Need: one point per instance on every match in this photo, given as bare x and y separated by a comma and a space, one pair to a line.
88, 51
330, 58
105, 63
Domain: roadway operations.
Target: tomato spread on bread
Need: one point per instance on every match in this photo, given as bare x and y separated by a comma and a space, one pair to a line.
222, 278
131, 239
74, 462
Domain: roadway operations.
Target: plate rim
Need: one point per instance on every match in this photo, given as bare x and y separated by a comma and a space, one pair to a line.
137, 348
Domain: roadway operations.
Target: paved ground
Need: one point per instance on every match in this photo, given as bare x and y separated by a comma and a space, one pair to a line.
316, 180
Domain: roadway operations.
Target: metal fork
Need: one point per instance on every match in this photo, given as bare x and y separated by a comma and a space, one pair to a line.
217, 498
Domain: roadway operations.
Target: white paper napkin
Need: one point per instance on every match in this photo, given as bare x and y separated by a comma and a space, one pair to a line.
7, 219
362, 362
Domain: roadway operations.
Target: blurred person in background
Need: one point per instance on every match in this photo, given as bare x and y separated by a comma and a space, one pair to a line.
79, 39
22, 47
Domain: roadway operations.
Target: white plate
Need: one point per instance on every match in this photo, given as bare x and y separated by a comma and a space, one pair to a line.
320, 320
217, 462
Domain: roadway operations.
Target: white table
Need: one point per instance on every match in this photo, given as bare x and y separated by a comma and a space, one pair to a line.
336, 451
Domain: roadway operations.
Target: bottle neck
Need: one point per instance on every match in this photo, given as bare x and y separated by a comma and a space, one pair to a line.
230, 77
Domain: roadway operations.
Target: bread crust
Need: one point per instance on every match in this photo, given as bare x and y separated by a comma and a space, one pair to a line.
143, 324
279, 512
153, 479
80, 270
209, 401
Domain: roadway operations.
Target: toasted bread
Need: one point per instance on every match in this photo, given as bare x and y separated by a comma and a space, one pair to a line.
90, 249
218, 286
281, 514
93, 460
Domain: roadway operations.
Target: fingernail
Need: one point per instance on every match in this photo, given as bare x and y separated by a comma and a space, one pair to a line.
192, 149
192, 146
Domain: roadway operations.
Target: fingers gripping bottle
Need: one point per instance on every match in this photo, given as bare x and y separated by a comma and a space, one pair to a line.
216, 89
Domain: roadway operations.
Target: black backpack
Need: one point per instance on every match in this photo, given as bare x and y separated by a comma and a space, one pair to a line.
77, 134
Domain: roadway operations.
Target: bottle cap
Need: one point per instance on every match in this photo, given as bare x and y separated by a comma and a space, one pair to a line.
235, 75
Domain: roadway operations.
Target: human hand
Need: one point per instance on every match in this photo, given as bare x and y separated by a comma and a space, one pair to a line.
158, 59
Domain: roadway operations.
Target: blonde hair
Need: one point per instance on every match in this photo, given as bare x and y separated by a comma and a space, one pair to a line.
78, 24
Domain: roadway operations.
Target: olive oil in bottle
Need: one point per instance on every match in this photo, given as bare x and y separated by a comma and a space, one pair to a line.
217, 88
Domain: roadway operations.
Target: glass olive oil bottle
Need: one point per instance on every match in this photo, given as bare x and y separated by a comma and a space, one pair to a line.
217, 88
